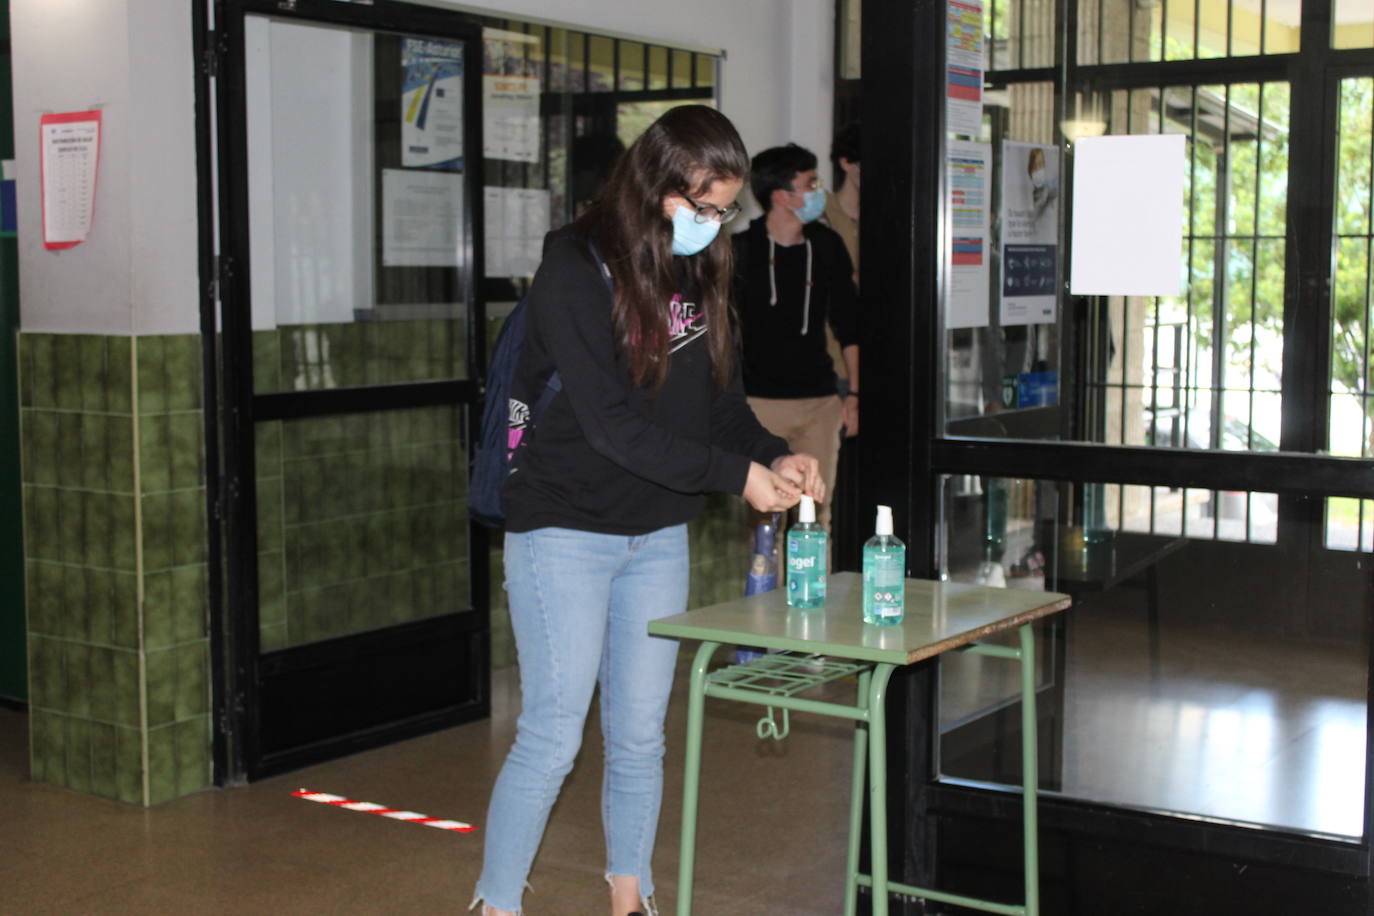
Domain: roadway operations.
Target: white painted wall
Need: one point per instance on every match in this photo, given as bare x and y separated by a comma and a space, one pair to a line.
136, 273
811, 66
162, 168
68, 56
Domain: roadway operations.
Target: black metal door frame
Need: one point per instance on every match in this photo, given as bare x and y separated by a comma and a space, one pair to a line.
906, 450
240, 670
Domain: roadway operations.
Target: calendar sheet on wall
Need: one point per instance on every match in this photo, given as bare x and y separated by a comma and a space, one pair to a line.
68, 162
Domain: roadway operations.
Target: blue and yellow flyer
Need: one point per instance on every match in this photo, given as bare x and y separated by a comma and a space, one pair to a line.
432, 104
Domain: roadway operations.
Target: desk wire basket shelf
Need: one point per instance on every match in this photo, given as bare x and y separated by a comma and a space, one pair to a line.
783, 674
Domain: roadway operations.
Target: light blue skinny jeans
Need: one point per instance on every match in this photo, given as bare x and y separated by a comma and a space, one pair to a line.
580, 604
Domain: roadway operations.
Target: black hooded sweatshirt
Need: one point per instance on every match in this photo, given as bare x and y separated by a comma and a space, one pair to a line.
607, 456
785, 353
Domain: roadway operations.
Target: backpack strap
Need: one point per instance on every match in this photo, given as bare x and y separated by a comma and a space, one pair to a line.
601, 263
555, 383
551, 389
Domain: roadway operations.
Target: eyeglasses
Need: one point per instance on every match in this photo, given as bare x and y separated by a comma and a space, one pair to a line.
706, 212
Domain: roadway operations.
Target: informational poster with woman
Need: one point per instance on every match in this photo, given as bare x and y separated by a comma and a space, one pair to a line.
1030, 232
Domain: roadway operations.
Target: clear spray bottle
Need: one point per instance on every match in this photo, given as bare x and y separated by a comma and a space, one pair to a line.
884, 573
807, 551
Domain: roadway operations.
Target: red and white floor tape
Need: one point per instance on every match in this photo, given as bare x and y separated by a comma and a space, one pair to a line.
349, 804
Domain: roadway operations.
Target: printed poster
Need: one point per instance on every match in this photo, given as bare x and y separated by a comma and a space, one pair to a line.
968, 165
432, 104
510, 97
517, 220
1030, 232
69, 157
964, 67
422, 213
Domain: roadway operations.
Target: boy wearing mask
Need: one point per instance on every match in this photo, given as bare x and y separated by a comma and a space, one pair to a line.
793, 279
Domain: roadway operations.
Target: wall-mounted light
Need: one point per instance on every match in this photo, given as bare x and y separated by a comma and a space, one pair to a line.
1084, 123
1074, 128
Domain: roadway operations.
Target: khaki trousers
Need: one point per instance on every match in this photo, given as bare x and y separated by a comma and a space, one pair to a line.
811, 426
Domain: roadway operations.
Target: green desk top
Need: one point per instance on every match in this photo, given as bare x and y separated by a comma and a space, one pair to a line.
939, 616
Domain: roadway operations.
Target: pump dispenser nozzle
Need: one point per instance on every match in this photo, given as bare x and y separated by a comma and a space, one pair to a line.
806, 511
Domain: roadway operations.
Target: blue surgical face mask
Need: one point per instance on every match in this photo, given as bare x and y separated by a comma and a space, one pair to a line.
690, 236
813, 205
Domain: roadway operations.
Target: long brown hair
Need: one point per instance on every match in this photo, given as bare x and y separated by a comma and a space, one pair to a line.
682, 153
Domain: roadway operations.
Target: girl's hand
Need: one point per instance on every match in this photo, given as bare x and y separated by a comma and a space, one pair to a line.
805, 472
768, 491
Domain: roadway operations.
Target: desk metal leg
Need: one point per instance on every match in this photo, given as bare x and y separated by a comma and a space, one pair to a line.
1030, 771
877, 786
691, 777
856, 805
1030, 776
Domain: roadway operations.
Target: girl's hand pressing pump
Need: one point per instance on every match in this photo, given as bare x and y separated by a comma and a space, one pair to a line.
779, 488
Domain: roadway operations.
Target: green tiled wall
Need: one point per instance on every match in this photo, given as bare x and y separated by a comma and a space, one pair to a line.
114, 542
314, 356
362, 522
721, 545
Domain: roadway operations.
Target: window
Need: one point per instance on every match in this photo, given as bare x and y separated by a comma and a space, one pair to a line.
1122, 31
1351, 391
1353, 25
1202, 370
597, 94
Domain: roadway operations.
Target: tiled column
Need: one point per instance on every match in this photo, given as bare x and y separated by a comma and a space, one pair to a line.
721, 540
115, 562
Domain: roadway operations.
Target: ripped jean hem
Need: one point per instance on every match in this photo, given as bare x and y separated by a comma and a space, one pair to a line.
645, 900
487, 905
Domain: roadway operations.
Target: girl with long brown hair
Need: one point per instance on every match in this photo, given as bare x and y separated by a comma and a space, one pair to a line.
630, 345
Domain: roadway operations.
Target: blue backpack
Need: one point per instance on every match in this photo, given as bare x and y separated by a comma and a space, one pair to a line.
492, 457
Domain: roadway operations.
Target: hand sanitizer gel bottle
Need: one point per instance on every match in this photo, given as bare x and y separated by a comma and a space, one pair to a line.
806, 559
884, 573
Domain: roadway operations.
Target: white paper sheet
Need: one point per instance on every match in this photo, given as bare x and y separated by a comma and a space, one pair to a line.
517, 220
510, 118
1128, 216
422, 215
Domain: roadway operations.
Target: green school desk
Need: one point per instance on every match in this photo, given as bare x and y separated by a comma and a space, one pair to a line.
832, 643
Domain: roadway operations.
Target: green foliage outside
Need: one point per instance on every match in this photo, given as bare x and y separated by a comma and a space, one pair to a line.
1236, 195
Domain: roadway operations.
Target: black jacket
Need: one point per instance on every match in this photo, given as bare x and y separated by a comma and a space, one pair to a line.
784, 340
605, 456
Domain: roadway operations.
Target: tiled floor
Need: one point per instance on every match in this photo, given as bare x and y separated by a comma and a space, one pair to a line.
771, 830
1222, 731
1243, 727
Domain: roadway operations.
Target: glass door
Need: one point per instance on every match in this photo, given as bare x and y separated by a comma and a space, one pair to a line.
1191, 468
349, 149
